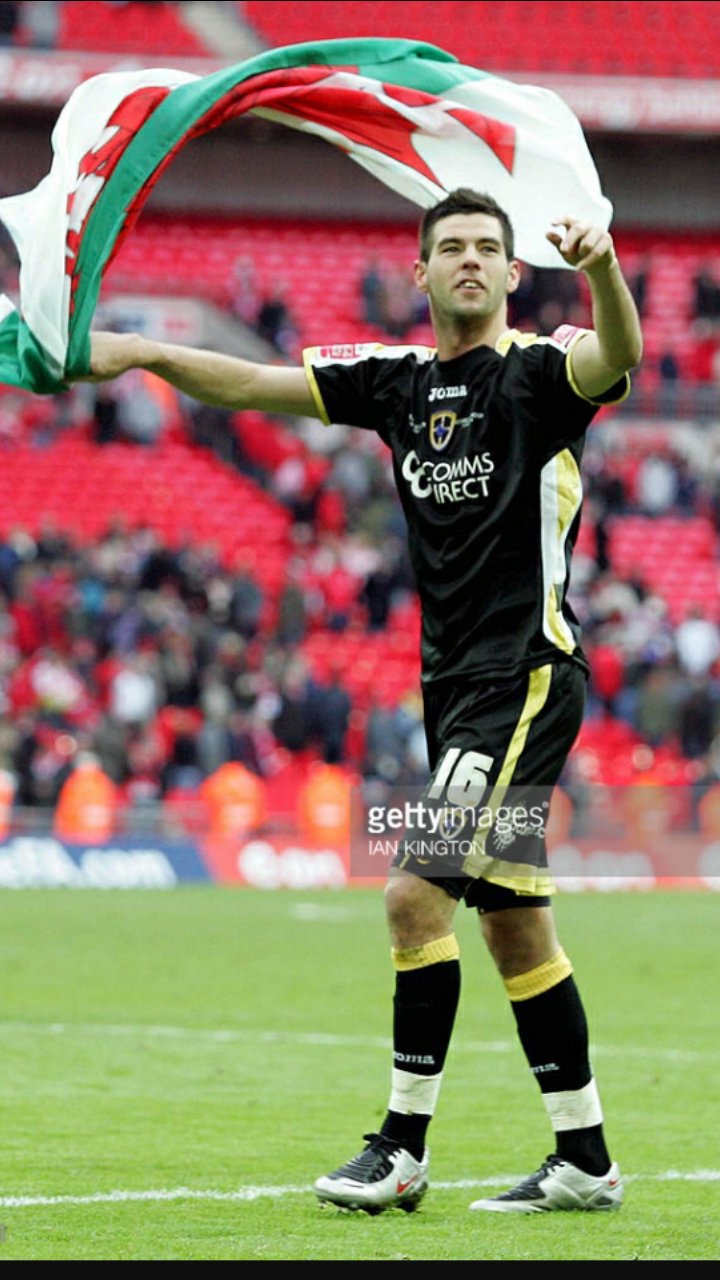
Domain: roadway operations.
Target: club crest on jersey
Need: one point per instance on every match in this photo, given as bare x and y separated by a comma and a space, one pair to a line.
442, 426
452, 822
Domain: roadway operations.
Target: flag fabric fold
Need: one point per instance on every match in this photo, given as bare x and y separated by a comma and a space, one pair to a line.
409, 113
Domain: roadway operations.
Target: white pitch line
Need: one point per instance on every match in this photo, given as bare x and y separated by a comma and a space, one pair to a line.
326, 1040
249, 1194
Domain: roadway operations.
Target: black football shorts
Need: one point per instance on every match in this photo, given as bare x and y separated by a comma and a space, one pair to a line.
496, 748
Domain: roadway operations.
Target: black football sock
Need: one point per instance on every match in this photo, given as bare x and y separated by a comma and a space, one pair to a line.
427, 990
553, 1031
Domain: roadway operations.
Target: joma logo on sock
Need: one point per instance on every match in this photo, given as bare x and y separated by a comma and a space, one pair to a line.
547, 1066
426, 1060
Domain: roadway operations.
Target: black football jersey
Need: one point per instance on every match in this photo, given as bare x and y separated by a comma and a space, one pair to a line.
486, 453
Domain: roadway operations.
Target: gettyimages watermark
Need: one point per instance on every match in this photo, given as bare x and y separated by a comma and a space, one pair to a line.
637, 835
409, 825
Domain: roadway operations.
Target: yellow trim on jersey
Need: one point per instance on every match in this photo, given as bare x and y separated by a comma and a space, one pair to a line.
522, 877
520, 339
572, 380
565, 497
314, 388
352, 353
435, 952
540, 979
515, 337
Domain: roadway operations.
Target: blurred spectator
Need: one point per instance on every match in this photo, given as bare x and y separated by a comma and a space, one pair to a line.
657, 705
235, 799
106, 427
705, 358
605, 486
384, 744
293, 483
656, 485
11, 426
324, 807
244, 294
372, 293
668, 366
699, 719
330, 511
331, 706
339, 588
706, 293
87, 803
351, 473
379, 588
177, 668
637, 280
275, 323
11, 559
607, 675
134, 690
669, 370
395, 743
558, 299
52, 544
139, 412
697, 642
182, 770
41, 20
235, 734
398, 304
291, 723
291, 625
523, 302
8, 792
246, 601
688, 498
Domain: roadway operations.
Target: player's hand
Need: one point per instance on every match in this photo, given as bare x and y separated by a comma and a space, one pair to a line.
582, 246
112, 354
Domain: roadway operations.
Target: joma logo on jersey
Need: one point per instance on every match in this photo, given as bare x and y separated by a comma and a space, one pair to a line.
446, 393
442, 426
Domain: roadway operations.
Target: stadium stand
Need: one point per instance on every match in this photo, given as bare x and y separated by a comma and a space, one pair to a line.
322, 264
599, 37
128, 28
257, 576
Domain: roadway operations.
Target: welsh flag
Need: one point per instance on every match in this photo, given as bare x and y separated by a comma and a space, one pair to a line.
409, 113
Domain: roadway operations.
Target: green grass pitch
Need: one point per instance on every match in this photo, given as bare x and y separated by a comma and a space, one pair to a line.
177, 1068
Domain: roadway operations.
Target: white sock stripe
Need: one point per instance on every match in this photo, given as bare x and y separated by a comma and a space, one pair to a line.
411, 1094
574, 1108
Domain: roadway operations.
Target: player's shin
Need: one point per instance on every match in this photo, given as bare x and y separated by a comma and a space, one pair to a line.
427, 990
553, 1031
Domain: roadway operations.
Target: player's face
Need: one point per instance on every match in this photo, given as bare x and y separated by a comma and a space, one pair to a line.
467, 274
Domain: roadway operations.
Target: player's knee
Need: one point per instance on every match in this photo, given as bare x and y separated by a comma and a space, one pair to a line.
520, 939
416, 910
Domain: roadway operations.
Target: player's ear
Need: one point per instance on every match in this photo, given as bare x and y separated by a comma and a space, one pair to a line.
421, 275
513, 279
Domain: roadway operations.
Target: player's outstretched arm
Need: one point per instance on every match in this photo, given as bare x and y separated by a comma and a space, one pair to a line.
224, 381
615, 345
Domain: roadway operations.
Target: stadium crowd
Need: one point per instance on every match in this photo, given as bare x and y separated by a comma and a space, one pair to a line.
166, 662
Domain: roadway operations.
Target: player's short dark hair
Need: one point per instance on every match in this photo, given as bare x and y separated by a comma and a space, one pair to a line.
465, 200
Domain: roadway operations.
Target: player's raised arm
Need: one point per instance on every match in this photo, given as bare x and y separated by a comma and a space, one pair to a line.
614, 347
224, 381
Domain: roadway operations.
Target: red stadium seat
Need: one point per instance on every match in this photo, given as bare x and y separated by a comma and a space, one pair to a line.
129, 28
597, 37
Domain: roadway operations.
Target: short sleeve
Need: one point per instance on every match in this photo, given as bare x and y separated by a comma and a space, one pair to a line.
567, 337
342, 384
367, 385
